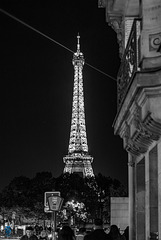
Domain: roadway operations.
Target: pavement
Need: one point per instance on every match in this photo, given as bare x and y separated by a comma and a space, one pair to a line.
3, 238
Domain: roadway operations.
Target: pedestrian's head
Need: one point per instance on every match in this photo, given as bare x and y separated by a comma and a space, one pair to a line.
43, 234
29, 231
66, 233
82, 230
107, 230
114, 231
126, 232
98, 223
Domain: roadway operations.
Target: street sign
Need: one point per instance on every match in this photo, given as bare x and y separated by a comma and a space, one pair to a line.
55, 203
52, 201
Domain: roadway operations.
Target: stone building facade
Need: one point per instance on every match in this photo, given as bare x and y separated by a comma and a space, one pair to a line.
138, 120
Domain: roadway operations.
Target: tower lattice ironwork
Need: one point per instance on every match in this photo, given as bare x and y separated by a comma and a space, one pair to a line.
78, 159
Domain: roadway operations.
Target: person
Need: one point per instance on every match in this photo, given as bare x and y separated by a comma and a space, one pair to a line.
107, 230
36, 228
115, 234
29, 234
98, 232
49, 233
8, 231
126, 233
66, 233
81, 234
43, 235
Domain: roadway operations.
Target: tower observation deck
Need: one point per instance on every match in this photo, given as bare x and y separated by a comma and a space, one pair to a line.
78, 160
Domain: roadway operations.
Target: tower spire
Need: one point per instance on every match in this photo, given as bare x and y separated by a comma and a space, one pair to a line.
78, 160
78, 44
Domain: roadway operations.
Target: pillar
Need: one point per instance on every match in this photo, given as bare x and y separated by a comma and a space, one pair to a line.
153, 191
140, 200
147, 204
131, 186
159, 190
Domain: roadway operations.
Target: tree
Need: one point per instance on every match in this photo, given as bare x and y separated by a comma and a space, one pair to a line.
94, 193
27, 194
108, 187
16, 193
76, 211
41, 183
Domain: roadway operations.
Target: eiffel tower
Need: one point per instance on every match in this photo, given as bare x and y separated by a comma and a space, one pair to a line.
78, 159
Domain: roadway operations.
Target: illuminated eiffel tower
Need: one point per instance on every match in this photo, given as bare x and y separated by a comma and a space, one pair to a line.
78, 160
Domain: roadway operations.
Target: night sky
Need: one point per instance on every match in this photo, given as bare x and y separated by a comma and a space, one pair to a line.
36, 77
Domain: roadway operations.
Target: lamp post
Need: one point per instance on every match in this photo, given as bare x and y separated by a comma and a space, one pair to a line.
13, 221
1, 220
53, 203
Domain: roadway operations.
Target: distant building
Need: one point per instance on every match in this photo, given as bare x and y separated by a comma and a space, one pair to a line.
119, 212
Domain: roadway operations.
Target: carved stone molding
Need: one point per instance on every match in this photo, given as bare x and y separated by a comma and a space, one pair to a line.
146, 132
140, 126
131, 163
114, 18
152, 126
116, 23
101, 3
133, 148
126, 135
129, 144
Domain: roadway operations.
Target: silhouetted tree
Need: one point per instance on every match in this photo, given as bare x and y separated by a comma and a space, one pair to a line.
94, 193
16, 193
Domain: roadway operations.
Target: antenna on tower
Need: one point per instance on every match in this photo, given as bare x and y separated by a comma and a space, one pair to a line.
78, 44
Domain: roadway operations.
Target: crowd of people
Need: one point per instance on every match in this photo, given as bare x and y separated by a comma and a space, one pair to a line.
67, 233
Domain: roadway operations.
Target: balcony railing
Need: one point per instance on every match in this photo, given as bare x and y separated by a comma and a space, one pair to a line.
129, 63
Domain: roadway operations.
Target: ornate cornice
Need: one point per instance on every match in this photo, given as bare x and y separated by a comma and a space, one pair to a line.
145, 133
114, 18
153, 127
116, 23
129, 144
101, 3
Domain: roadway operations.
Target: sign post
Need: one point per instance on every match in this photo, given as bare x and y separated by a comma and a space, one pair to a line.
52, 203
